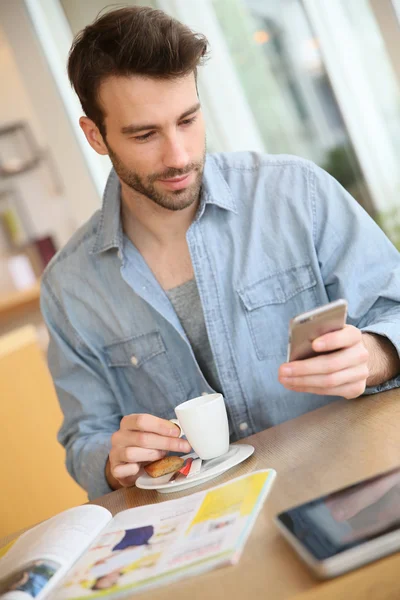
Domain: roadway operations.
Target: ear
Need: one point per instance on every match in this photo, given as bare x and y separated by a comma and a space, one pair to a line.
93, 135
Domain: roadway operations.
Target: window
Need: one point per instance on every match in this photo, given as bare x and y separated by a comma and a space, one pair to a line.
302, 77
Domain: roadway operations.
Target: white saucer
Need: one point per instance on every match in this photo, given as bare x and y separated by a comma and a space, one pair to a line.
209, 469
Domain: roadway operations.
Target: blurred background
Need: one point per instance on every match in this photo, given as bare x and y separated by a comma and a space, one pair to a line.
307, 77
315, 78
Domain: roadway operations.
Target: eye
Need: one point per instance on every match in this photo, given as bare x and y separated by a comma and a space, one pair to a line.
145, 136
188, 121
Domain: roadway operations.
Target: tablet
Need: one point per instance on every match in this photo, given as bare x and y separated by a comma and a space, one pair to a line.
339, 532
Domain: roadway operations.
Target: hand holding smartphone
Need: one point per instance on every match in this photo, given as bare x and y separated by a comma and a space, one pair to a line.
308, 326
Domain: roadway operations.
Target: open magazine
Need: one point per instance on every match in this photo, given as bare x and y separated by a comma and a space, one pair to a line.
85, 553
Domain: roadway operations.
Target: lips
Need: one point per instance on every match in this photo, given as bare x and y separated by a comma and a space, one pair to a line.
177, 183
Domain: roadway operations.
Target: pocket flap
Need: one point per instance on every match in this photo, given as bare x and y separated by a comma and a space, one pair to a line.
134, 351
277, 287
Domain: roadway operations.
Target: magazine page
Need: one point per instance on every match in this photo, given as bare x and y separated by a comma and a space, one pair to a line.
147, 546
32, 565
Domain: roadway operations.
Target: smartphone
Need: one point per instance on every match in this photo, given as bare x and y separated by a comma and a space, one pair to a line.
347, 529
306, 327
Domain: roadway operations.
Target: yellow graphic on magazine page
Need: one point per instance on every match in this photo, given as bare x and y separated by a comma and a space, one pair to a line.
239, 496
5, 549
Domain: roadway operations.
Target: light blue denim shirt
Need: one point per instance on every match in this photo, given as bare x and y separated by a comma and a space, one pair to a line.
273, 236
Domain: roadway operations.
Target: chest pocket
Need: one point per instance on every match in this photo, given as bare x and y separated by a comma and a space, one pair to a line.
271, 302
144, 374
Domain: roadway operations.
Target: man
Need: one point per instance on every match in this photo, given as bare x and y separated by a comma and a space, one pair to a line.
185, 281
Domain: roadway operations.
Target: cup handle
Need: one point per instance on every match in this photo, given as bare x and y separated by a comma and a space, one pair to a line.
176, 422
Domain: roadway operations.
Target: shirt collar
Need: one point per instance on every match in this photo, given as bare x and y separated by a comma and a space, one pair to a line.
215, 187
109, 234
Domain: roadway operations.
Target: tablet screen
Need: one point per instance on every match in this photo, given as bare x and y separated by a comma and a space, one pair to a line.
348, 517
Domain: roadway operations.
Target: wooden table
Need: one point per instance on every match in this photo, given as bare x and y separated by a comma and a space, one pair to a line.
313, 455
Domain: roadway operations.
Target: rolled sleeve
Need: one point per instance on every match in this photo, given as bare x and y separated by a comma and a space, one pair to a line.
390, 331
358, 263
86, 399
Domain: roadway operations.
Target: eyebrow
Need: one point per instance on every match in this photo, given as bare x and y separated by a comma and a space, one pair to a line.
130, 129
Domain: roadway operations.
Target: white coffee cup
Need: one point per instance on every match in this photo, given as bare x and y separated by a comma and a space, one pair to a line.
204, 422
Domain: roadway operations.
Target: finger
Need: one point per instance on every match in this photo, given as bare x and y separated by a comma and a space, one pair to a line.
140, 439
130, 480
343, 338
125, 438
326, 363
349, 390
123, 471
126, 474
143, 439
135, 455
328, 380
151, 424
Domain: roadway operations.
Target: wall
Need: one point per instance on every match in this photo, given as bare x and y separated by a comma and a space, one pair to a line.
14, 101
81, 13
16, 106
47, 212
80, 195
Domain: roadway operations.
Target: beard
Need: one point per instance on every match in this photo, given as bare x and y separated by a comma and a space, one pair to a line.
174, 200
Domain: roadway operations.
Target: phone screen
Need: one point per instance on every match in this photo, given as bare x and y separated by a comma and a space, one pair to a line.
344, 519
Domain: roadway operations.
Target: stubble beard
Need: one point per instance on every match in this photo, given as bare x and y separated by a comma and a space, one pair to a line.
173, 200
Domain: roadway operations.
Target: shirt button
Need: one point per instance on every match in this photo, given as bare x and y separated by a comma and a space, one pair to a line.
119, 254
204, 393
134, 361
243, 426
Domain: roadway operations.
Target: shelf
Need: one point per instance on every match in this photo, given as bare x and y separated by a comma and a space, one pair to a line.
28, 166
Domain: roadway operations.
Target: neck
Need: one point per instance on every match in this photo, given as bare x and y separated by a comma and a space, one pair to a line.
147, 223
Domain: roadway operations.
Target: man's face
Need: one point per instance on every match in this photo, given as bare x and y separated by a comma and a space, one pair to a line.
155, 137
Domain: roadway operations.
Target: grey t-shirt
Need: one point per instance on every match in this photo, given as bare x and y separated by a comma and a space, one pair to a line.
187, 304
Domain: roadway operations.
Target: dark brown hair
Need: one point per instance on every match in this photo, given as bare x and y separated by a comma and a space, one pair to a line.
135, 40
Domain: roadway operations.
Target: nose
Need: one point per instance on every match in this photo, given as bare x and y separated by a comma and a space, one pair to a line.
175, 154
